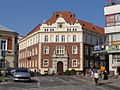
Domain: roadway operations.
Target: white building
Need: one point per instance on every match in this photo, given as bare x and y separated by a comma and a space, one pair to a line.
112, 30
61, 43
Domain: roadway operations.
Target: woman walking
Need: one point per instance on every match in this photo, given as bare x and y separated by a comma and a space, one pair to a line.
96, 77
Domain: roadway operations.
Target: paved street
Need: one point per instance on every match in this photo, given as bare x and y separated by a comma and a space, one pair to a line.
60, 83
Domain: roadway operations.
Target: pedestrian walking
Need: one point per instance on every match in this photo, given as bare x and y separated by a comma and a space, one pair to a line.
96, 77
105, 75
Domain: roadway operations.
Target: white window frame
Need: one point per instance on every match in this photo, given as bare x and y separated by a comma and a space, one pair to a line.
45, 64
60, 50
74, 64
4, 45
46, 50
57, 38
74, 51
74, 38
46, 38
63, 38
33, 63
36, 62
36, 51
33, 52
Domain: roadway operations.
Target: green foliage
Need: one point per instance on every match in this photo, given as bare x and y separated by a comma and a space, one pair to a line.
73, 72
69, 72
1, 78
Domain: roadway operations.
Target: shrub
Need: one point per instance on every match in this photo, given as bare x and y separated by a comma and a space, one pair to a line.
67, 72
73, 72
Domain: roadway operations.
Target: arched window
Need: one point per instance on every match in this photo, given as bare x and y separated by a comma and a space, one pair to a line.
45, 62
57, 38
63, 38
74, 38
46, 38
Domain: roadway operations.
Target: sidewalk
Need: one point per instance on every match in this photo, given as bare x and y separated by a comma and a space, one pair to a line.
111, 83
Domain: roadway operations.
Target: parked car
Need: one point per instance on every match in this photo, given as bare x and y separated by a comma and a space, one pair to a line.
31, 73
9, 72
21, 74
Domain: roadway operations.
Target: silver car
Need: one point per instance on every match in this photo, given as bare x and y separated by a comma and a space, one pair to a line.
21, 74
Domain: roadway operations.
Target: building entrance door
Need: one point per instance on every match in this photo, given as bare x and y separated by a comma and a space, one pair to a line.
118, 70
59, 67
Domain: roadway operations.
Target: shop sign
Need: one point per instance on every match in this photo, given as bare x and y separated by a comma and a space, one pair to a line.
115, 43
113, 48
97, 48
118, 60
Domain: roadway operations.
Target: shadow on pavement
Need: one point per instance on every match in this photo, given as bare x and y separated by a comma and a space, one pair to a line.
105, 83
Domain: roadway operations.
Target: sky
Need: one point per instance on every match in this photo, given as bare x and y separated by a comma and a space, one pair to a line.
22, 16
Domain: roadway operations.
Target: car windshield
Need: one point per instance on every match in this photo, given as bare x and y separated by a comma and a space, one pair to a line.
21, 70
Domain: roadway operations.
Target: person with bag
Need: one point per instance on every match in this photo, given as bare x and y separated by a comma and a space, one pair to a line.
96, 77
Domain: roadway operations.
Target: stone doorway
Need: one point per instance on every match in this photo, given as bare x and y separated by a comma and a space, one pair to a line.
60, 67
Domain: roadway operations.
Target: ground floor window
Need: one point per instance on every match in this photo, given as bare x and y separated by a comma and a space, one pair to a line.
86, 63
2, 64
45, 62
74, 63
116, 58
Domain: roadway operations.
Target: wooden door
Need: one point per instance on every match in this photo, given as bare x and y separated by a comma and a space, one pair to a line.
60, 67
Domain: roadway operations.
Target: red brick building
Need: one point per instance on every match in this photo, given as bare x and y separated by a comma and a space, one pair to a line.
60, 43
8, 48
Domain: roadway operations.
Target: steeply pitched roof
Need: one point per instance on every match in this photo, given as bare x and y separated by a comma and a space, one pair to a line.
2, 28
71, 19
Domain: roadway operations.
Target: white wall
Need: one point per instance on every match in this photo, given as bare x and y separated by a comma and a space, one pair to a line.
112, 9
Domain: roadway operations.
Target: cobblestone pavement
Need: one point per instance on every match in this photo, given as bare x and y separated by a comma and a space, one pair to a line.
111, 84
60, 83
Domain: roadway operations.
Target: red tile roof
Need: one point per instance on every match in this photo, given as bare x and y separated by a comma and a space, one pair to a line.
71, 19
34, 30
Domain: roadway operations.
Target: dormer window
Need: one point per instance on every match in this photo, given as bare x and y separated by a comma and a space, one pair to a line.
94, 28
59, 25
52, 29
57, 15
46, 30
71, 16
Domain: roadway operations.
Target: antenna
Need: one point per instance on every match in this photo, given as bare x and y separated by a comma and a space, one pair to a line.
112, 2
